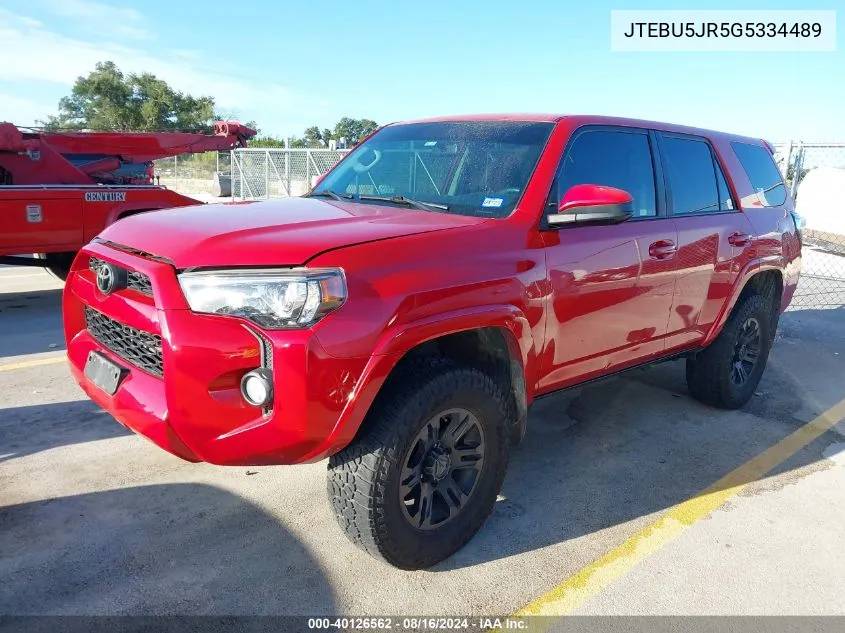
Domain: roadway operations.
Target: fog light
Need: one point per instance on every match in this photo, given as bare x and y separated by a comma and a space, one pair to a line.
257, 387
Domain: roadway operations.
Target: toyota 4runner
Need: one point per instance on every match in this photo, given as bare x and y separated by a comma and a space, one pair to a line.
401, 317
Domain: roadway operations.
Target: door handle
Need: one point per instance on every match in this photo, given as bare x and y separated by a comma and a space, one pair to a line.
739, 239
662, 249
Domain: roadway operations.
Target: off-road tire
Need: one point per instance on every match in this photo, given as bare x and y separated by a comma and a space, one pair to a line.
709, 372
363, 479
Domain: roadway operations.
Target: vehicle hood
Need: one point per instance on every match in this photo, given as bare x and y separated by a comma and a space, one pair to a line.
286, 231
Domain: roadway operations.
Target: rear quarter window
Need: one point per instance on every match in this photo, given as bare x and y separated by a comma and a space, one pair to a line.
759, 166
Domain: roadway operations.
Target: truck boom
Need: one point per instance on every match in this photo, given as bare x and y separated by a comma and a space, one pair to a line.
60, 189
84, 158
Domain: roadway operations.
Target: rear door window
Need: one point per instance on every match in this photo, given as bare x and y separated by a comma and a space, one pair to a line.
696, 182
759, 166
613, 159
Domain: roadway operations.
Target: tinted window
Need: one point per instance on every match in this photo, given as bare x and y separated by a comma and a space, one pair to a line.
613, 159
725, 199
760, 167
692, 177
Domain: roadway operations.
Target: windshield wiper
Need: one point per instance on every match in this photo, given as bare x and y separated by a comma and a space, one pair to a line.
330, 194
417, 204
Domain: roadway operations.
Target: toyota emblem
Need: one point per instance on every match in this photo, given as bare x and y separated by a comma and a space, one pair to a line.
110, 278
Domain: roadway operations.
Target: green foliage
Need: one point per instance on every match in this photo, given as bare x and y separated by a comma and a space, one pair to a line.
109, 100
353, 130
314, 137
266, 141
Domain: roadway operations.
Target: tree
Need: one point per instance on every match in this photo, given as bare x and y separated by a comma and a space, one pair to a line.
313, 137
266, 142
109, 100
353, 130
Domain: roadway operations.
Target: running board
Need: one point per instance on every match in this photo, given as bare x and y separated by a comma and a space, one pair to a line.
622, 372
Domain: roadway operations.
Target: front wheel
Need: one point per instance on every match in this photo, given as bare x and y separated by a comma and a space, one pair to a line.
420, 480
727, 372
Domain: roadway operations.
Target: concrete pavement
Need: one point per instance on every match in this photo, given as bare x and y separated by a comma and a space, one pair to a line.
95, 520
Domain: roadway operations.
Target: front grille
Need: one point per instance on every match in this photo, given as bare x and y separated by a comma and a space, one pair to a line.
142, 349
140, 282
134, 279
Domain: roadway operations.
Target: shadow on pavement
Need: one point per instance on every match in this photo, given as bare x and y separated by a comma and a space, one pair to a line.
31, 322
29, 430
162, 549
826, 326
603, 456
630, 447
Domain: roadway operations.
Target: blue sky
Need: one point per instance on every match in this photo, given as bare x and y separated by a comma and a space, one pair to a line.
289, 65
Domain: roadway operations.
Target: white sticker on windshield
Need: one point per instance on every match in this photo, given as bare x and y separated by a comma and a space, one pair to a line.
430, 143
492, 202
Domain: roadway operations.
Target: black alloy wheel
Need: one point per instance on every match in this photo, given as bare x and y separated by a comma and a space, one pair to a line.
746, 351
441, 469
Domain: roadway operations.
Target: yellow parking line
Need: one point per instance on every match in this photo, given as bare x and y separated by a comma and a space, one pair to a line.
585, 584
52, 360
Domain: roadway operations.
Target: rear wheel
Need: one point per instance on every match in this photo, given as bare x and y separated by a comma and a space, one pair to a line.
423, 476
728, 371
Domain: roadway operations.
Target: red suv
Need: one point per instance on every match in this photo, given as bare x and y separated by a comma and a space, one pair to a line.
401, 317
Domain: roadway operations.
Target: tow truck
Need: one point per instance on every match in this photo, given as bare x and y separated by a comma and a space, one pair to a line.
60, 189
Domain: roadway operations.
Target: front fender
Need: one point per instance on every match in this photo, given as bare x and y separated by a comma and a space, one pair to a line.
398, 341
401, 339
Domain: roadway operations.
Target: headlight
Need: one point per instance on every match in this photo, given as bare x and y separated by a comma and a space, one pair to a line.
274, 299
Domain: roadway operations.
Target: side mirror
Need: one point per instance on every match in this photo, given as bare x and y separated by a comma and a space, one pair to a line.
593, 204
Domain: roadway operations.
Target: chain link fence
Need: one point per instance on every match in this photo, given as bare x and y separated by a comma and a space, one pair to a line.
272, 173
816, 173
195, 173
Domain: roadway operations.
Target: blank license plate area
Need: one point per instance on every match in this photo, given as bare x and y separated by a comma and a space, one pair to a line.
104, 373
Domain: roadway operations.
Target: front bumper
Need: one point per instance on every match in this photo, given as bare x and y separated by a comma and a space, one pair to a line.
195, 409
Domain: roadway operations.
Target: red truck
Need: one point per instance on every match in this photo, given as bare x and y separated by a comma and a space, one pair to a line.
401, 317
60, 189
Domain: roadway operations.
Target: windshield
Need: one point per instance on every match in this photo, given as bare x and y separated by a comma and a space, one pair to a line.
478, 168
